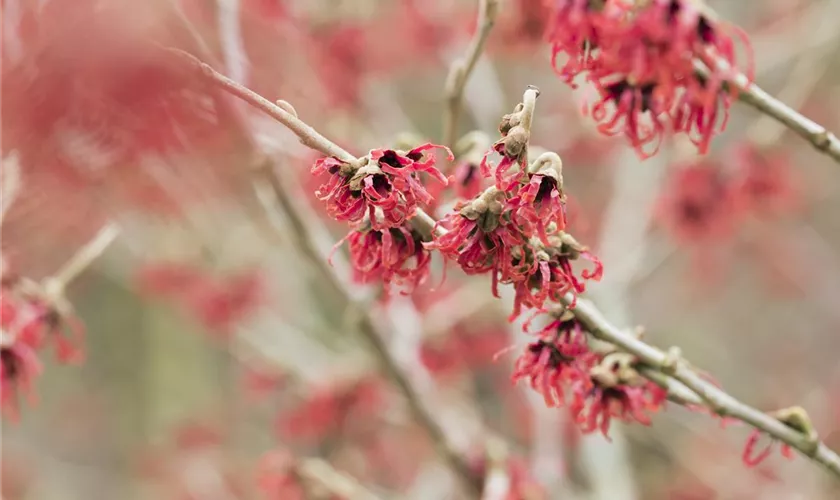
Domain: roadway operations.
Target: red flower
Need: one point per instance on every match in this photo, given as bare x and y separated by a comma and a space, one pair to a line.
642, 63
217, 304
387, 256
541, 201
559, 360
751, 458
461, 350
623, 402
576, 29
341, 62
545, 273
332, 411
480, 237
697, 204
89, 72
19, 367
764, 182
385, 179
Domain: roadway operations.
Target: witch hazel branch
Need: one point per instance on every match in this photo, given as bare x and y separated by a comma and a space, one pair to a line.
515, 230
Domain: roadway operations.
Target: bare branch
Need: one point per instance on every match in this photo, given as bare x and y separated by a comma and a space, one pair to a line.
318, 472
461, 69
750, 93
82, 259
10, 177
308, 135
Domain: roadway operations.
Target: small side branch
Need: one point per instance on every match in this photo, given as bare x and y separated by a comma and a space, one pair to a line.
461, 69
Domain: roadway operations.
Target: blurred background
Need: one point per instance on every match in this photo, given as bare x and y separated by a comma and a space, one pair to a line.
212, 339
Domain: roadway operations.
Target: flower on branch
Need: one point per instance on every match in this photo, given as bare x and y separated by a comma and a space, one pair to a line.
797, 419
618, 391
541, 201
559, 360
480, 236
515, 129
697, 205
545, 272
394, 256
642, 60
29, 320
386, 179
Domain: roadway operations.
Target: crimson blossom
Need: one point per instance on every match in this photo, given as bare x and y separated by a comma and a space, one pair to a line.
558, 360
618, 392
28, 323
642, 60
697, 205
385, 179
752, 458
394, 256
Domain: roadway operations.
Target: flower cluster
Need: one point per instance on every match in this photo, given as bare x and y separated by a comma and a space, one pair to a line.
218, 304
333, 411
642, 59
29, 321
378, 194
515, 229
385, 179
705, 200
393, 256
596, 387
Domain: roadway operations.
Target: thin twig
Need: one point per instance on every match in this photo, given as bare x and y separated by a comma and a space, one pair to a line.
308, 136
319, 472
805, 76
707, 393
83, 258
753, 95
461, 69
307, 247
9, 183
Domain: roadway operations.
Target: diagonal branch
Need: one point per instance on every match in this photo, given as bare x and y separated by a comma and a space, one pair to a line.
461, 69
751, 94
684, 384
819, 137
706, 393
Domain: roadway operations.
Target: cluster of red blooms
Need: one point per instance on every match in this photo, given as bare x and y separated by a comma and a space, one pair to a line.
704, 200
28, 323
377, 194
217, 304
515, 228
640, 57
332, 412
596, 387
